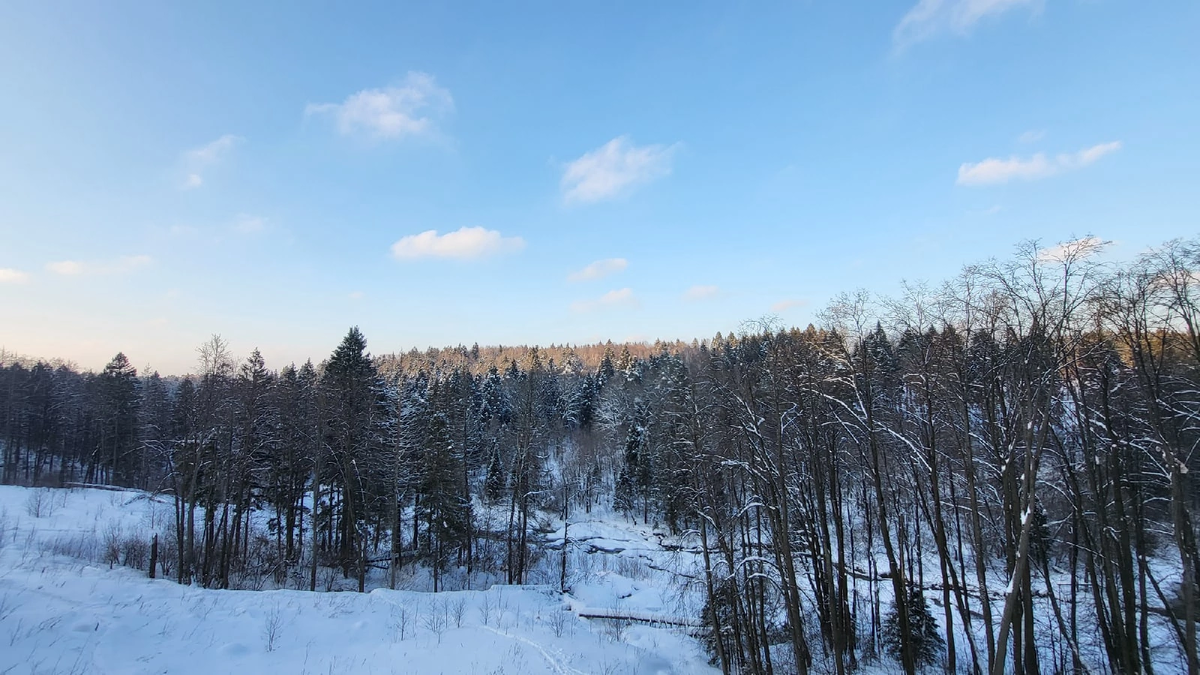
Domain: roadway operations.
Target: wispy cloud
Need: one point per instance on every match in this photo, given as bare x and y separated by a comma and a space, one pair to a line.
701, 293
614, 169
785, 305
1032, 136
12, 276
66, 267
929, 18
215, 151
198, 160
462, 244
1073, 249
623, 297
999, 170
122, 265
247, 224
410, 108
599, 269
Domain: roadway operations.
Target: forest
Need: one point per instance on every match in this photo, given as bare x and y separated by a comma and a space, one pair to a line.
991, 474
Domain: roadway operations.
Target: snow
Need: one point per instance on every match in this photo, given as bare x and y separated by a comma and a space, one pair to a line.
63, 610
635, 594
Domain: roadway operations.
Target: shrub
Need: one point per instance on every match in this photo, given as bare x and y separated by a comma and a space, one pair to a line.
39, 503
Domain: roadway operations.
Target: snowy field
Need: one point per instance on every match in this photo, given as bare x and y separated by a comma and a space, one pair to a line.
64, 610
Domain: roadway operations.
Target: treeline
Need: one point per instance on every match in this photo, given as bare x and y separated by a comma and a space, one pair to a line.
398, 462
572, 359
1016, 445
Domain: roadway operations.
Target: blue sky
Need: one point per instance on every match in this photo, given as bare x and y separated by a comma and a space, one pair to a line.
444, 173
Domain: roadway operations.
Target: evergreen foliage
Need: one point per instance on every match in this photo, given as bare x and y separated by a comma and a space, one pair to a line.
923, 636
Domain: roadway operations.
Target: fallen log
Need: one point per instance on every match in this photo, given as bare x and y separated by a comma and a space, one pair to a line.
638, 617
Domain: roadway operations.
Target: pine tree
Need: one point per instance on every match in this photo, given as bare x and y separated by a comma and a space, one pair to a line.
607, 369
352, 395
494, 483
154, 423
924, 637
119, 393
443, 506
625, 493
632, 478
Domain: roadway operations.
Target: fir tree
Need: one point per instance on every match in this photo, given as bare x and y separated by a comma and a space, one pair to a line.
924, 637
494, 484
120, 388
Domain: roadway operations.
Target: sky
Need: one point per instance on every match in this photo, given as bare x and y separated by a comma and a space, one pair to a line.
534, 173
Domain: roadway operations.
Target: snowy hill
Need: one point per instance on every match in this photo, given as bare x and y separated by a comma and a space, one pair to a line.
64, 609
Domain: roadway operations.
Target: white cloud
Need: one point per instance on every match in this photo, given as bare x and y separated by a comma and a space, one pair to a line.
618, 298
357, 295
599, 269
65, 267
198, 159
121, 265
613, 169
1032, 136
996, 170
11, 276
131, 262
785, 305
462, 244
247, 224
623, 296
407, 109
1085, 157
931, 17
214, 151
1073, 249
701, 293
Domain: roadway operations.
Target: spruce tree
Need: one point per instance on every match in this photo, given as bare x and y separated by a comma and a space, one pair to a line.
924, 637
351, 388
119, 394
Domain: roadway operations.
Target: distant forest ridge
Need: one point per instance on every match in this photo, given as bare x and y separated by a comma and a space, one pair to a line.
568, 358
576, 359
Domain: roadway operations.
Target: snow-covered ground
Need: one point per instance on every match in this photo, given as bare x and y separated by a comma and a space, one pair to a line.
63, 610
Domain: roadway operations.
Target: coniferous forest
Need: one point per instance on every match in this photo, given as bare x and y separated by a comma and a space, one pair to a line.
993, 474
